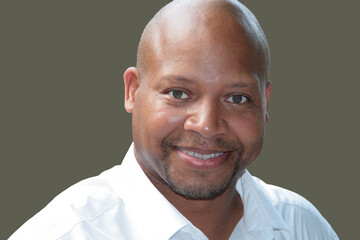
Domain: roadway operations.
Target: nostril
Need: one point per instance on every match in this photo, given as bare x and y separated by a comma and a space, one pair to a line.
205, 127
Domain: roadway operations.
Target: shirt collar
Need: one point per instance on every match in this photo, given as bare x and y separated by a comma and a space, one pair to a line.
152, 214
156, 218
260, 217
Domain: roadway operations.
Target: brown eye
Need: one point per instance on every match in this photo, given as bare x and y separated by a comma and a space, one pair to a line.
237, 99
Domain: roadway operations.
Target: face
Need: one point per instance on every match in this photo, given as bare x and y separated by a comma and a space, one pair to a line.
199, 112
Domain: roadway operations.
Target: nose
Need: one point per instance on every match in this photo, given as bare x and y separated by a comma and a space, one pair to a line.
207, 120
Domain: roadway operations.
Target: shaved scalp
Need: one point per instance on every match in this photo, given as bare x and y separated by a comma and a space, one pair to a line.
192, 18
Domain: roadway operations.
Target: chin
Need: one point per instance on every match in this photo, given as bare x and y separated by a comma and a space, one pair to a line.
202, 187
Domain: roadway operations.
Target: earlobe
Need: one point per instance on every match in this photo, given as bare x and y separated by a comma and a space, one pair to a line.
131, 82
267, 95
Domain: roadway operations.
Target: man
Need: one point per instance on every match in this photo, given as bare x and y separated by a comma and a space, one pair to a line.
199, 99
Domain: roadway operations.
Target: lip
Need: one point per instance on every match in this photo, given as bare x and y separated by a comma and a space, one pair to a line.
202, 150
217, 159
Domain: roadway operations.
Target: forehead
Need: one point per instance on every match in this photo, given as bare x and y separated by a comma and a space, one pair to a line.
206, 48
192, 30
187, 26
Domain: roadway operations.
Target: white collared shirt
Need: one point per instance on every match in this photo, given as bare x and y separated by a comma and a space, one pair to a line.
122, 203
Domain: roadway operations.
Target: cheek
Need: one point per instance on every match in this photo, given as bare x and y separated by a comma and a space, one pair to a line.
158, 121
249, 128
153, 121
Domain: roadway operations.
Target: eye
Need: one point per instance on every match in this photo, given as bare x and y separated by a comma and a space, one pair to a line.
237, 99
178, 94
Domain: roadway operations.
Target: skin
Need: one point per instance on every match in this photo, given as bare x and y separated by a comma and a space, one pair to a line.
200, 86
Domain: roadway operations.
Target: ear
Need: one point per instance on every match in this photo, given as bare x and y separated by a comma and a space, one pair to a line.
267, 95
131, 81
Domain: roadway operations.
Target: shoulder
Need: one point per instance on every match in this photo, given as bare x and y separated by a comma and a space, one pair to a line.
303, 219
281, 196
83, 202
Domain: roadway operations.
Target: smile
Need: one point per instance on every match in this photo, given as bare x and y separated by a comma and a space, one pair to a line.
201, 156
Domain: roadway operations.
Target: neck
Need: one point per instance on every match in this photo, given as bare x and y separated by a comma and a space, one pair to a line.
216, 218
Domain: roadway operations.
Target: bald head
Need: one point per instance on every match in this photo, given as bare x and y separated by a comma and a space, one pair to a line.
200, 83
185, 22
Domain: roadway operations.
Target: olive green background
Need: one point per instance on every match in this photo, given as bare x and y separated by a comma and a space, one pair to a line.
61, 96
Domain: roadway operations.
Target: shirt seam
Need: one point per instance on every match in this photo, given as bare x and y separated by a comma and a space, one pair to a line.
301, 206
88, 220
331, 233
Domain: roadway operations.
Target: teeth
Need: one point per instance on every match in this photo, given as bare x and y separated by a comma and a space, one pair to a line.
201, 156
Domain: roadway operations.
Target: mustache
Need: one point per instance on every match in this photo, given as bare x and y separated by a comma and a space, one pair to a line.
216, 142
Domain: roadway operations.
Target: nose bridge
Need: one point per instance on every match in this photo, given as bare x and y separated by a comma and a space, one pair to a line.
206, 119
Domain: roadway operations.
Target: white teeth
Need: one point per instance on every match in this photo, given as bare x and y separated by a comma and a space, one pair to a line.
201, 156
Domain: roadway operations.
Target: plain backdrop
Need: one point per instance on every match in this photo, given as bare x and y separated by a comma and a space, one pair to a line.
61, 95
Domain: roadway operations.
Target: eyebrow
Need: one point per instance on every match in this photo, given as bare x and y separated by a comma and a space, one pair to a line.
243, 85
177, 78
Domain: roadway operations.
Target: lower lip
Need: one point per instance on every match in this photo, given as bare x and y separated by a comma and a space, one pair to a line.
211, 163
